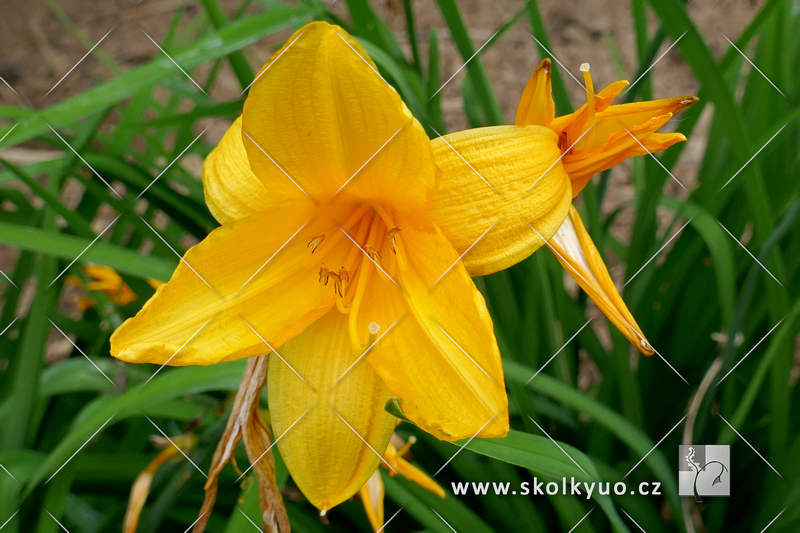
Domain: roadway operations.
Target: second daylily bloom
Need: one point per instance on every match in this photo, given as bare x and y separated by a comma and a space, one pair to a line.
594, 138
339, 253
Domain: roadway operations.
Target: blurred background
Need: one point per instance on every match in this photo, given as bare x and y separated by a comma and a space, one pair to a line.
700, 242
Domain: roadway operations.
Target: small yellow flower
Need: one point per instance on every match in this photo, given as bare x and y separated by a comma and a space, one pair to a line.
335, 254
372, 492
106, 279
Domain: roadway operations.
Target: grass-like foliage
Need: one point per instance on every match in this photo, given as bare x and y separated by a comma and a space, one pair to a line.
722, 293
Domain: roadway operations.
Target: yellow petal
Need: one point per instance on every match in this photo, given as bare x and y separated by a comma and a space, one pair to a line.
575, 123
372, 494
256, 271
578, 255
617, 148
320, 423
436, 348
497, 181
320, 121
411, 472
536, 107
232, 190
617, 118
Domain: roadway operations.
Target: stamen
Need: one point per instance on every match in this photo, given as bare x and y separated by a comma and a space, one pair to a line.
397, 243
316, 241
406, 446
323, 275
390, 239
590, 105
373, 253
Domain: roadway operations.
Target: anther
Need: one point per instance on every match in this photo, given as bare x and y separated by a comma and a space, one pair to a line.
373, 253
390, 239
316, 241
323, 275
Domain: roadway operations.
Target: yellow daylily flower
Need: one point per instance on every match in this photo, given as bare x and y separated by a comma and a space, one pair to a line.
372, 492
330, 252
594, 138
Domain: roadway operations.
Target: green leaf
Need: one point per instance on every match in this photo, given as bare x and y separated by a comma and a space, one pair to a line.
67, 247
